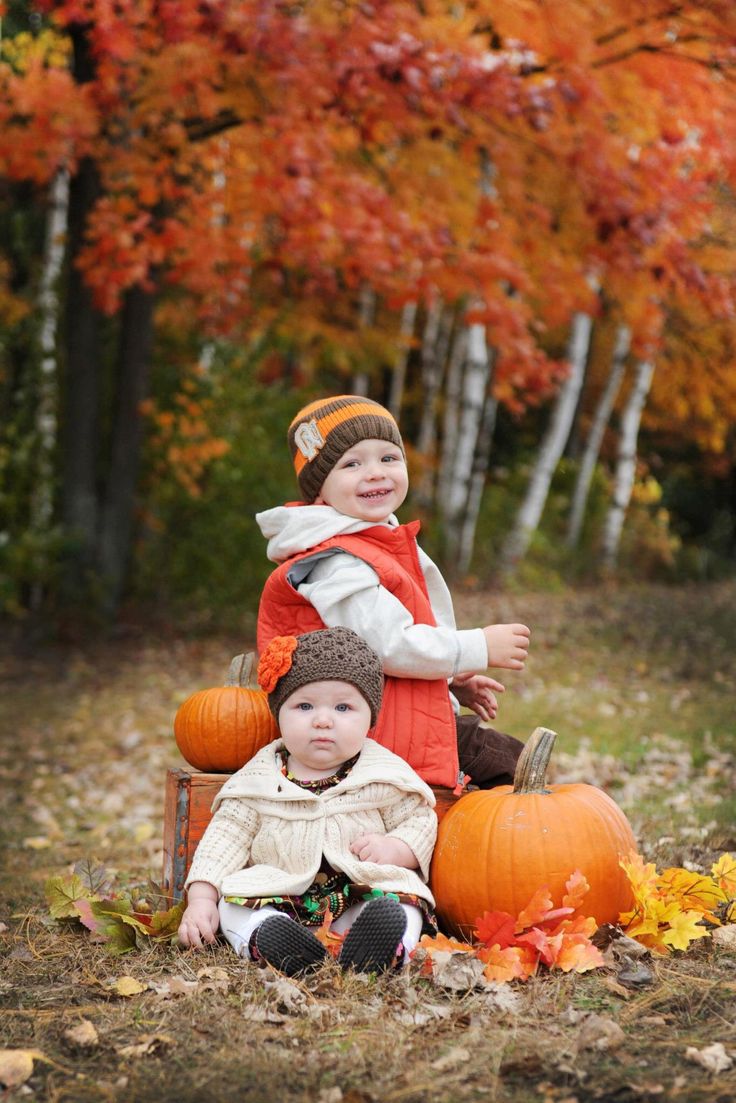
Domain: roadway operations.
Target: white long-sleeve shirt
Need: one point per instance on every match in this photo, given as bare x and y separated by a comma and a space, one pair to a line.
346, 591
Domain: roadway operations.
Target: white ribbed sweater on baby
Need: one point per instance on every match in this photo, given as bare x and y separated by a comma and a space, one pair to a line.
268, 836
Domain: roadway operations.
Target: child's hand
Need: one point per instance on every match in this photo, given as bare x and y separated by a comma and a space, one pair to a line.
476, 692
508, 645
201, 918
384, 850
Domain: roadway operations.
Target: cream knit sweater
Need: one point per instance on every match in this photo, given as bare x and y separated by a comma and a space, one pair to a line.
267, 836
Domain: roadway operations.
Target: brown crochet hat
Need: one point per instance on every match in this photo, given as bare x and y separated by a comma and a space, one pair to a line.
323, 431
329, 654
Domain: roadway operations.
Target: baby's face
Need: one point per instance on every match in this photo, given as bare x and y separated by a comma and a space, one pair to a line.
323, 724
369, 481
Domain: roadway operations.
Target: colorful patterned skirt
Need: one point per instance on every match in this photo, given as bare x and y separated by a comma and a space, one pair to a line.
331, 891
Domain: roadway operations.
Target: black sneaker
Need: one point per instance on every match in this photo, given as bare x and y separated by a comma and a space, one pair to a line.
372, 942
289, 947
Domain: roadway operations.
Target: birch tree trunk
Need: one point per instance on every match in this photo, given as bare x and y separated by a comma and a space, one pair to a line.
42, 499
595, 436
451, 419
48, 390
477, 484
398, 375
472, 403
553, 444
366, 316
623, 482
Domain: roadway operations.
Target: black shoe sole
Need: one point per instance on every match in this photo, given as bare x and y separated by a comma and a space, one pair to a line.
289, 947
370, 944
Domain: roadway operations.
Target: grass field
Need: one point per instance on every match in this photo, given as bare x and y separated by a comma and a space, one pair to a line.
640, 684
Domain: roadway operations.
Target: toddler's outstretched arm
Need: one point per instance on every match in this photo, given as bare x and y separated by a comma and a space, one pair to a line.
508, 645
201, 918
384, 850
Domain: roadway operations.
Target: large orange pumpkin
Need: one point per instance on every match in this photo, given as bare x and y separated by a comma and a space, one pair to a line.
496, 847
218, 730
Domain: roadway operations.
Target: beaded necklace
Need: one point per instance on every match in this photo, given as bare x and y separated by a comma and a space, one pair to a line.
317, 785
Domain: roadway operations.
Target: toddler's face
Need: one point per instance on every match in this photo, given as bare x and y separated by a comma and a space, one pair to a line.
323, 724
369, 481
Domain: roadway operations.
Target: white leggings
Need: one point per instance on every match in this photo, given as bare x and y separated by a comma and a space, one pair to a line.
238, 923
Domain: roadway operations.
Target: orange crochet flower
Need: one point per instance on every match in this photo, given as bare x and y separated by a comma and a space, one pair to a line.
275, 661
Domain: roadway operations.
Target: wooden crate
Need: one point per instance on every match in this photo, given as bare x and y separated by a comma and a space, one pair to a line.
187, 805
189, 796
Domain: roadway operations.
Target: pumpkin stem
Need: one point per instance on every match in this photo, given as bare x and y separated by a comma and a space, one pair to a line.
531, 769
241, 669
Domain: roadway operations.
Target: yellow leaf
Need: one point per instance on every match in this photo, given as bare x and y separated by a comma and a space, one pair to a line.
128, 986
642, 926
16, 1065
692, 890
643, 877
724, 871
684, 929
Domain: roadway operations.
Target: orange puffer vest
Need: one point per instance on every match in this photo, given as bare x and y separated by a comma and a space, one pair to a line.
416, 720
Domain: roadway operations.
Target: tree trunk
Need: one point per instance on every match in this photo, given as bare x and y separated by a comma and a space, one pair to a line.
477, 484
81, 393
48, 389
366, 316
42, 496
626, 462
551, 448
474, 388
136, 337
398, 376
82, 371
595, 436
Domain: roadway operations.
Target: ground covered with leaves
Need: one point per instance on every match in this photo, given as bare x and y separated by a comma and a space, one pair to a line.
639, 682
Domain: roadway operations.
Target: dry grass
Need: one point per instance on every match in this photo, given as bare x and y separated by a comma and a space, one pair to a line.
82, 763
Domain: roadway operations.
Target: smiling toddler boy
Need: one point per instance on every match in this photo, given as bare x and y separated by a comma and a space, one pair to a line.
344, 559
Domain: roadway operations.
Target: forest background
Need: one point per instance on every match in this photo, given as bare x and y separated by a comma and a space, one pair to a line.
512, 222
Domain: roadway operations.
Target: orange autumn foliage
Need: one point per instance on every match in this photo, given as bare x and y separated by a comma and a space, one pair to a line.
542, 935
498, 154
678, 906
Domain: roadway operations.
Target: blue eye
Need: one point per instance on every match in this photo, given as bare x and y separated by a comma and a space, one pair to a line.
342, 708
304, 706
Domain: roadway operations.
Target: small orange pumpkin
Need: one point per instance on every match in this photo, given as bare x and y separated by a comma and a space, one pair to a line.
217, 730
496, 847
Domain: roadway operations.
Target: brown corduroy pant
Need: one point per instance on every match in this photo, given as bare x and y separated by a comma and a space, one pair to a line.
488, 756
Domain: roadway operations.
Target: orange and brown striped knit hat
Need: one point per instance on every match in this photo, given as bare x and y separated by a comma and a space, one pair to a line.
324, 430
